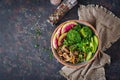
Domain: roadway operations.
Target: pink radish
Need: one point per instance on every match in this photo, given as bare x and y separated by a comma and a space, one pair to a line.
68, 26
58, 33
55, 42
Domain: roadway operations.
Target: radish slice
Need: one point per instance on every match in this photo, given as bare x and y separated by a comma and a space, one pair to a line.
68, 26
55, 42
58, 33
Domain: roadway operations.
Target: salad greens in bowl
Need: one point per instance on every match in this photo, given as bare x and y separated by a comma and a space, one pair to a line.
75, 43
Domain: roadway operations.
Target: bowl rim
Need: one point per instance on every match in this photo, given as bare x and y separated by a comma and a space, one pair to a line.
79, 65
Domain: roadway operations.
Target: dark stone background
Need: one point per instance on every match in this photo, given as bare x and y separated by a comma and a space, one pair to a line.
25, 52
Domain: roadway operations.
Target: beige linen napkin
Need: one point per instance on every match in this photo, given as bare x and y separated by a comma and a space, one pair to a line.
108, 28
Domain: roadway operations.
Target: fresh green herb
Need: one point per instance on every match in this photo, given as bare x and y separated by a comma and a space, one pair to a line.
36, 45
65, 42
45, 49
51, 55
80, 46
81, 58
37, 32
77, 27
73, 47
88, 49
86, 32
73, 37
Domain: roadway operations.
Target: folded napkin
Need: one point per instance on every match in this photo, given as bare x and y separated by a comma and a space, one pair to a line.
108, 28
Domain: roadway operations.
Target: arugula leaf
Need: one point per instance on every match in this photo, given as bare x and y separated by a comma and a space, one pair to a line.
77, 27
65, 42
86, 32
73, 47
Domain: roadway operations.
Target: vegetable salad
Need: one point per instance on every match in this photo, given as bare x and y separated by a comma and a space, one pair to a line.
75, 42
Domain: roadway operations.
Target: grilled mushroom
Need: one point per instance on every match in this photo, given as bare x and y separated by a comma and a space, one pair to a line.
60, 53
65, 55
71, 53
72, 59
75, 53
64, 48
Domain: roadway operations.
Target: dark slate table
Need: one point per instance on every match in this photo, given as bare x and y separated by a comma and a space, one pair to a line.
25, 52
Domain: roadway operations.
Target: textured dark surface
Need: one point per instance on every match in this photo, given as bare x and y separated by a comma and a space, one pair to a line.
20, 59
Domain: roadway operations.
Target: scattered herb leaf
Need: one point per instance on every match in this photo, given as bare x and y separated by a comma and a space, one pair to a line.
51, 55
36, 45
37, 32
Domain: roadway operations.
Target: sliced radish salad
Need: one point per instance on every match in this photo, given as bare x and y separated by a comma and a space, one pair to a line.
75, 42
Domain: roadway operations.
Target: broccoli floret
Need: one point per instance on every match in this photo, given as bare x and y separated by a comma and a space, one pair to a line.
73, 36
